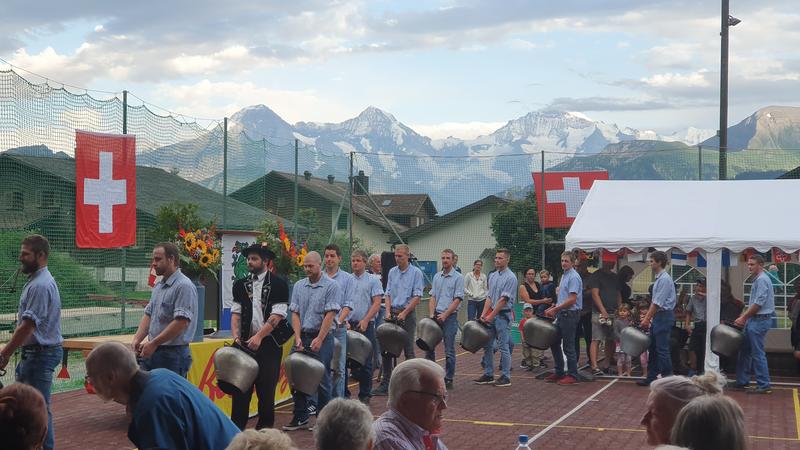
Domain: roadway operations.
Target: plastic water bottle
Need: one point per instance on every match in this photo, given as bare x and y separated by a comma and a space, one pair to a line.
523, 442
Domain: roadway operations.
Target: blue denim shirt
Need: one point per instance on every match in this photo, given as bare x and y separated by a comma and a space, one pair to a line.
313, 301
571, 283
761, 294
365, 287
503, 284
404, 285
172, 298
345, 281
446, 288
40, 302
664, 291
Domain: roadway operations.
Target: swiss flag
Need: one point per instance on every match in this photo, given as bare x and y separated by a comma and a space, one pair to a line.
563, 195
105, 190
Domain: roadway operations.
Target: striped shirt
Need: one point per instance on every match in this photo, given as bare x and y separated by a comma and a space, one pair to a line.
395, 432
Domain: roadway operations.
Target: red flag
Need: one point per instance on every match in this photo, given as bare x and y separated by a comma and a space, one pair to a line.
105, 190
564, 193
779, 256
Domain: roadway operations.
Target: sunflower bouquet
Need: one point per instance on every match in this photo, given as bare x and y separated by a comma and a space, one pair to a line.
200, 252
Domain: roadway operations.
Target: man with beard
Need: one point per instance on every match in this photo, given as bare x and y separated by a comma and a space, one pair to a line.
260, 304
39, 329
168, 316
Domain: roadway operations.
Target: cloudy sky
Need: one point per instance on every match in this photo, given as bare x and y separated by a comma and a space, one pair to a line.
442, 67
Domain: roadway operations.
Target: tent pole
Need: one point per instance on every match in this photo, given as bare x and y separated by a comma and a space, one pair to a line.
713, 282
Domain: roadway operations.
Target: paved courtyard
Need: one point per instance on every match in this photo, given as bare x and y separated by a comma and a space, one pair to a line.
603, 414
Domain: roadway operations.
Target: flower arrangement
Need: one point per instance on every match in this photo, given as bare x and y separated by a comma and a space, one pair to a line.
291, 248
200, 252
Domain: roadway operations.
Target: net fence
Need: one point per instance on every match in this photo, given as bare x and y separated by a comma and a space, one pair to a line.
468, 201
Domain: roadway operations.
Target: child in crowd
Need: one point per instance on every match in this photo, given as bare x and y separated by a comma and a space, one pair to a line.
527, 351
623, 359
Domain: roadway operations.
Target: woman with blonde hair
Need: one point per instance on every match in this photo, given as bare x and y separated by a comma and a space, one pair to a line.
709, 423
669, 395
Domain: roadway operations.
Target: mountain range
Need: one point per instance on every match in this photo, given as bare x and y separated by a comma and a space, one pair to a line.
456, 172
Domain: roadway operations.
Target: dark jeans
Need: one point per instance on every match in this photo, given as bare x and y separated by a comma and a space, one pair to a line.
583, 329
324, 391
268, 357
474, 309
566, 324
176, 358
659, 361
410, 325
450, 328
364, 373
36, 369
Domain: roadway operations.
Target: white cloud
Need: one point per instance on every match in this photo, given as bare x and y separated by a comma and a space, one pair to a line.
462, 130
668, 80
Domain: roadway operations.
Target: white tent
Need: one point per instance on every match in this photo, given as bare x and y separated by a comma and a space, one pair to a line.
690, 215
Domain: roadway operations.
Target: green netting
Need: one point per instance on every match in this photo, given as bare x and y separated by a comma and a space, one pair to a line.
469, 202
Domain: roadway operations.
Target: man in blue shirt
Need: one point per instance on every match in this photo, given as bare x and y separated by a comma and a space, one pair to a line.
446, 295
567, 311
170, 316
661, 316
756, 321
367, 295
333, 257
39, 329
315, 302
403, 293
166, 411
502, 293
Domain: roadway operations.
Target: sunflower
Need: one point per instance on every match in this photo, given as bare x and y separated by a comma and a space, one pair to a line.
202, 246
190, 247
205, 260
189, 238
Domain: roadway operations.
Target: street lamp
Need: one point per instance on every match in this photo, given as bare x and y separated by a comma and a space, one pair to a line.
727, 22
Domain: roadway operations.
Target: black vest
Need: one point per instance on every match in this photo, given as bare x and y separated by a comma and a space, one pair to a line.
274, 290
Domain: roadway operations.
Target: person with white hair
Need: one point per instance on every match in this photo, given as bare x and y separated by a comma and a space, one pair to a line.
166, 411
710, 422
344, 424
417, 398
263, 439
669, 395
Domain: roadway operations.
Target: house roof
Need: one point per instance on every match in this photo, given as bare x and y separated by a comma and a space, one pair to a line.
334, 192
157, 187
439, 222
791, 175
404, 204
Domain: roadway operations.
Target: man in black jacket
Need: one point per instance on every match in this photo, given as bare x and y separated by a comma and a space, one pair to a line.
258, 323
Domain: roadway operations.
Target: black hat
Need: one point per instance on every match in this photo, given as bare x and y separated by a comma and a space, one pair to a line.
262, 251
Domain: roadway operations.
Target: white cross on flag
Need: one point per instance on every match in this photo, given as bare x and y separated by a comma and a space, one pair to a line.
105, 190
564, 193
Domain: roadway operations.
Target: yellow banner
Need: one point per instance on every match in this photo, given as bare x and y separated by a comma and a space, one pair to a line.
203, 375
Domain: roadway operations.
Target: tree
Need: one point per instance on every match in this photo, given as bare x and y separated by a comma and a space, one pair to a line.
516, 227
173, 216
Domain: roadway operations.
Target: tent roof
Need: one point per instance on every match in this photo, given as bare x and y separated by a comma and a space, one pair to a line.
688, 215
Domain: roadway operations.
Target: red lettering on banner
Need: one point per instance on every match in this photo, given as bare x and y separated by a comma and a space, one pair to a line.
209, 381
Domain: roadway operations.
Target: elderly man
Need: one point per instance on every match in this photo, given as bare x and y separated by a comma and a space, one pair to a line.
497, 313
165, 410
168, 316
333, 258
446, 295
315, 302
38, 330
756, 321
339, 415
417, 397
367, 295
403, 293
661, 315
258, 323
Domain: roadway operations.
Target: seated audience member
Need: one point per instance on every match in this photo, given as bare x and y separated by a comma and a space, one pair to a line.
669, 395
166, 411
710, 423
263, 439
23, 417
344, 424
417, 397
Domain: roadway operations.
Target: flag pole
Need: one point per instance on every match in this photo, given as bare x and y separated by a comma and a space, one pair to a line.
124, 249
543, 209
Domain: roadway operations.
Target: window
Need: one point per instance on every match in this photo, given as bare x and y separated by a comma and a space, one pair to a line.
47, 199
17, 202
281, 202
387, 202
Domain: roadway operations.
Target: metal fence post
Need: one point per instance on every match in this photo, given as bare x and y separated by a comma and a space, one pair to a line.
225, 173
350, 210
294, 233
124, 249
542, 212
